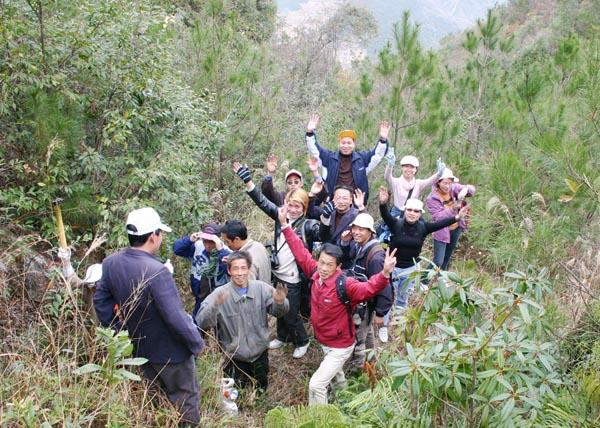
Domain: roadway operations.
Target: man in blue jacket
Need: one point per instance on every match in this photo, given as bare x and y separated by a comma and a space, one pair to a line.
347, 167
149, 307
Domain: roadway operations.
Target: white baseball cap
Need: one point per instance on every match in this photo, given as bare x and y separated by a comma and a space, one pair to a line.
414, 204
447, 173
364, 220
293, 172
143, 221
93, 273
410, 160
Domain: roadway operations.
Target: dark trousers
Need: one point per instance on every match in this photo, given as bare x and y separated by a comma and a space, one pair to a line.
178, 382
244, 372
442, 252
290, 327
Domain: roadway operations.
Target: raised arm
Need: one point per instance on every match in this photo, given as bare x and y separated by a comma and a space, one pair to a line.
361, 291
437, 225
266, 206
267, 186
373, 157
303, 257
384, 196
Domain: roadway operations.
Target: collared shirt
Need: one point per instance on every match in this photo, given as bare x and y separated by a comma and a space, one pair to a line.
241, 321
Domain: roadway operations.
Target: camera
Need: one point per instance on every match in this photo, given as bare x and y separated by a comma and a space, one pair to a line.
274, 261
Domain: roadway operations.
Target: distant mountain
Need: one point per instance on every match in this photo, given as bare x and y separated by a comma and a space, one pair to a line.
438, 18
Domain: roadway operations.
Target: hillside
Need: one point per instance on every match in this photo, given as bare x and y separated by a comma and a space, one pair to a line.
110, 106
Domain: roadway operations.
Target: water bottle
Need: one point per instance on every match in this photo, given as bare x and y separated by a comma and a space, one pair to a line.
230, 394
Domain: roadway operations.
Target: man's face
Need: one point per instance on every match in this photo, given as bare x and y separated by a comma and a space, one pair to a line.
342, 199
293, 182
238, 272
209, 245
409, 171
412, 216
326, 266
233, 244
346, 145
445, 185
361, 235
295, 210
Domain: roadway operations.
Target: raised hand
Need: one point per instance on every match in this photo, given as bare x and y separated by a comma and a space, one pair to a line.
384, 195
243, 172
271, 164
312, 123
280, 293
316, 188
195, 236
221, 298
346, 236
359, 199
463, 194
441, 166
384, 129
390, 262
282, 214
327, 209
390, 157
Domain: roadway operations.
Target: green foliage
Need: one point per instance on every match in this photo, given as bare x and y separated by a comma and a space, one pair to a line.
94, 112
306, 417
118, 350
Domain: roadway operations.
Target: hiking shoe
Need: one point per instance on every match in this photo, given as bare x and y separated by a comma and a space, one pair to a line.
383, 334
276, 344
300, 351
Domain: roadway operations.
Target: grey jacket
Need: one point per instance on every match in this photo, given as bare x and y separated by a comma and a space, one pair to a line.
242, 324
261, 263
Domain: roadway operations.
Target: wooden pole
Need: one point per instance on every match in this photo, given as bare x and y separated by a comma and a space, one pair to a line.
60, 227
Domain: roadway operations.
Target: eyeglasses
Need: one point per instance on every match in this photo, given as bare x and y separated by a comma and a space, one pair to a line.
292, 182
412, 211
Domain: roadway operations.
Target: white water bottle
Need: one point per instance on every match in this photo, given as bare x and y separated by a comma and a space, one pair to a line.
230, 394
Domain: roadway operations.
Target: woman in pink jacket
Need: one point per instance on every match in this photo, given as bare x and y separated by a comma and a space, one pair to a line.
445, 200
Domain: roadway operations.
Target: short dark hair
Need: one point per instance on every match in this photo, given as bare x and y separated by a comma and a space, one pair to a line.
238, 255
139, 240
333, 251
235, 229
343, 187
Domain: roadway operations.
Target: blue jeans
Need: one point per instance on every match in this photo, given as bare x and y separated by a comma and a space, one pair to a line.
402, 288
442, 252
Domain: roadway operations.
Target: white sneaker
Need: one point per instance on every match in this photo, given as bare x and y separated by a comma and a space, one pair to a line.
300, 351
383, 334
275, 344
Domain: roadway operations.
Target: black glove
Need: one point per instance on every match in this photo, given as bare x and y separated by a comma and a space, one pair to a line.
244, 174
327, 209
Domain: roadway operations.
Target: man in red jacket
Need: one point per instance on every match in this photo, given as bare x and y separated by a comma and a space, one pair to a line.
329, 316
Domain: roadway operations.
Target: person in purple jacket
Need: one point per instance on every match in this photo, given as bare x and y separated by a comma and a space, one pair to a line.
206, 252
150, 309
447, 197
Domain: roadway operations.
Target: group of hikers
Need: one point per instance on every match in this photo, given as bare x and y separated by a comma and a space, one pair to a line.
352, 283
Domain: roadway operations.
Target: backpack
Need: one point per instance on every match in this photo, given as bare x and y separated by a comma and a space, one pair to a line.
363, 308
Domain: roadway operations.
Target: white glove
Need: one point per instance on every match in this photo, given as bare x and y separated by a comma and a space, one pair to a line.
463, 194
169, 266
65, 257
64, 254
441, 166
390, 156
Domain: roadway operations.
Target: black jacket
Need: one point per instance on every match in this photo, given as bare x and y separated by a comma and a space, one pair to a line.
408, 238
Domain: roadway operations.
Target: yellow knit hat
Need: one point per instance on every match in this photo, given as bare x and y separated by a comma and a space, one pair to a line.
347, 133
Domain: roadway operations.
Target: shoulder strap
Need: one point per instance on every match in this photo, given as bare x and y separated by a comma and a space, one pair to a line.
340, 288
372, 252
409, 195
